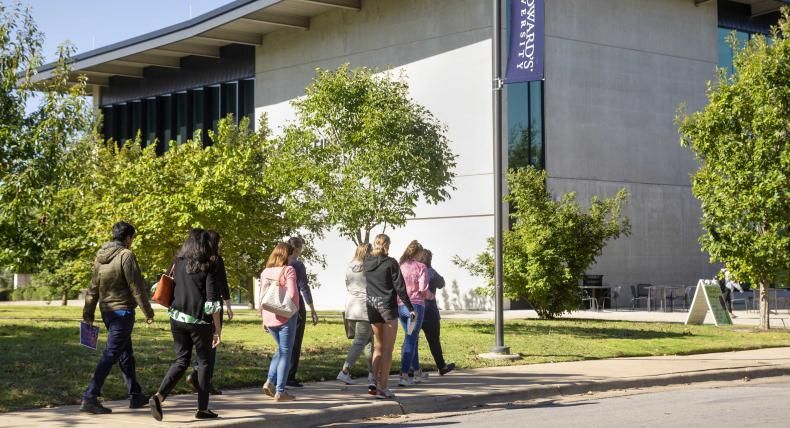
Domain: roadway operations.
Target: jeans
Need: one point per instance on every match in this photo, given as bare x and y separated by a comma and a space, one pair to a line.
186, 336
409, 354
296, 352
284, 337
363, 341
117, 350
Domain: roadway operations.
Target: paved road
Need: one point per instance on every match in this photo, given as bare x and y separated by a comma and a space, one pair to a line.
751, 405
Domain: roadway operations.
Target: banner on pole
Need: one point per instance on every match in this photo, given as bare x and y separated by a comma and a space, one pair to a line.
527, 40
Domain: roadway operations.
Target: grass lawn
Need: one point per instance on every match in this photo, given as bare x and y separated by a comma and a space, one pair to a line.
42, 364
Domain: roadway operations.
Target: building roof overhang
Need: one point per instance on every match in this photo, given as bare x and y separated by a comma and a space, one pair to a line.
759, 7
243, 22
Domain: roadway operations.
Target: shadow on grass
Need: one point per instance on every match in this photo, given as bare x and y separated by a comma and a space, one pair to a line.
577, 331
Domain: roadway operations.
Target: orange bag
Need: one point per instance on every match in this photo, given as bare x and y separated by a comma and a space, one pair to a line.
164, 288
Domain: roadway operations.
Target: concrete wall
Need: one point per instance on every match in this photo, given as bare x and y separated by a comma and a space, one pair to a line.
444, 48
616, 71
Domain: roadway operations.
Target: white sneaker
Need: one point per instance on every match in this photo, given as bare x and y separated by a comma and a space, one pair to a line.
345, 378
420, 376
384, 394
406, 381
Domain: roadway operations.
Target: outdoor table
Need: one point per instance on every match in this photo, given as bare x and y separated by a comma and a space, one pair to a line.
654, 290
599, 292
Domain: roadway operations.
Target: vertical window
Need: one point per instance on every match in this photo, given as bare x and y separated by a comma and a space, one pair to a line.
124, 125
165, 106
230, 100
726, 53
150, 121
198, 107
525, 124
108, 123
137, 119
212, 111
247, 100
181, 111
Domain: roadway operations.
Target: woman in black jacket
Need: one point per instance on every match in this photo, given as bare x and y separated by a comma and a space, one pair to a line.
384, 280
194, 320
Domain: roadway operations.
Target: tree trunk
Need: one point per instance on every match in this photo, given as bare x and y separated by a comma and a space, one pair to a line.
65, 300
251, 293
764, 309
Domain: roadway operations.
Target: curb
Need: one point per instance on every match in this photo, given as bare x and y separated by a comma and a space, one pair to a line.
443, 403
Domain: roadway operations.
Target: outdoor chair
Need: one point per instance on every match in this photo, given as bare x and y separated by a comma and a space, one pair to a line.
614, 295
636, 297
676, 296
742, 298
587, 298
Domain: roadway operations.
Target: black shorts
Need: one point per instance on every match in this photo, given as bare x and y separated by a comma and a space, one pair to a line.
380, 314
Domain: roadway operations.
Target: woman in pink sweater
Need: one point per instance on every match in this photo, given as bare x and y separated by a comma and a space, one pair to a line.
282, 329
415, 277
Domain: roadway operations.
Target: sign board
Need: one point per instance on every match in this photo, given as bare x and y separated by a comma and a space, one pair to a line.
707, 297
527, 39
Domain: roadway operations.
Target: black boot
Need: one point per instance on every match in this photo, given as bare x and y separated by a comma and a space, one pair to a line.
94, 408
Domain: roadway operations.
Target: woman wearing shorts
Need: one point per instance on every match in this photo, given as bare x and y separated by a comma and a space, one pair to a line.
384, 285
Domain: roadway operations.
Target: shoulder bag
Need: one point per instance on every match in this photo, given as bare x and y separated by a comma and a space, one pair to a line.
164, 288
274, 297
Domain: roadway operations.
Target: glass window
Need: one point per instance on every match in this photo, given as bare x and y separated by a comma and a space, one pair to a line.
230, 100
181, 109
212, 111
124, 125
137, 119
198, 107
165, 107
726, 53
536, 123
525, 124
150, 121
247, 100
108, 124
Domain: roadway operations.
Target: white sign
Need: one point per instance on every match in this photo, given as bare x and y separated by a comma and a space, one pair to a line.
707, 297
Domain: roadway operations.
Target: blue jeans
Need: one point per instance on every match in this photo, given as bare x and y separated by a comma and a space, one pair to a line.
117, 350
409, 355
284, 336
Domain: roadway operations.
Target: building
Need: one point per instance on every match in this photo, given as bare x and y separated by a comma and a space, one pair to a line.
616, 71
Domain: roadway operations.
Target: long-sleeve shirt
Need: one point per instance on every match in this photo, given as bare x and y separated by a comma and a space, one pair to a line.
305, 295
195, 295
222, 279
385, 281
415, 277
286, 278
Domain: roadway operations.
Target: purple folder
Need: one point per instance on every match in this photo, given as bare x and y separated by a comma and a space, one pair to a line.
89, 335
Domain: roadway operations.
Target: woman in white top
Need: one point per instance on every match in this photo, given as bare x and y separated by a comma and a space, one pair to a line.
357, 314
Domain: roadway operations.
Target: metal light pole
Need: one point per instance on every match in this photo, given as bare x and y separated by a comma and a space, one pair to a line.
499, 332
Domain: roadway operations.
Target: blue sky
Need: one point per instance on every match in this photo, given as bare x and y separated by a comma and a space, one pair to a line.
92, 24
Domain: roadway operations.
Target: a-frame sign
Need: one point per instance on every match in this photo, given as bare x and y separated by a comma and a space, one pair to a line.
707, 297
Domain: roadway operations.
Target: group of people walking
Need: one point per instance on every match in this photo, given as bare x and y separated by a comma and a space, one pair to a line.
381, 293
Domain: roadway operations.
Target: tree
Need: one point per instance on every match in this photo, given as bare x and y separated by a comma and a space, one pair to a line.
740, 140
34, 146
366, 151
226, 186
551, 243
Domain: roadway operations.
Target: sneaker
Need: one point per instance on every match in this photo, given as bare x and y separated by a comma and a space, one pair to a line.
138, 402
156, 407
420, 376
406, 381
372, 389
94, 408
384, 394
446, 369
192, 381
283, 396
345, 378
293, 383
268, 388
205, 414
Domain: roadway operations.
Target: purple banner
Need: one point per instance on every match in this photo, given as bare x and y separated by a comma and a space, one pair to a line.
525, 53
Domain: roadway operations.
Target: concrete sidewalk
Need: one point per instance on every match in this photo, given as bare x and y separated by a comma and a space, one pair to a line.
330, 402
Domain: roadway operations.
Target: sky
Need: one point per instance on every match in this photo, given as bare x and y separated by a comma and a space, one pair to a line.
90, 24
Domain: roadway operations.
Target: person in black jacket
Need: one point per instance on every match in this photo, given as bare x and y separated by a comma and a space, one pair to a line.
384, 281
224, 292
194, 320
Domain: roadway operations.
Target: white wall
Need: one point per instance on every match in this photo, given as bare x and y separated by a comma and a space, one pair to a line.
444, 48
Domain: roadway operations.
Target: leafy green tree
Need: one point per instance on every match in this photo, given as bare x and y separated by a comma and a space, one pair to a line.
551, 243
366, 152
34, 145
227, 186
740, 140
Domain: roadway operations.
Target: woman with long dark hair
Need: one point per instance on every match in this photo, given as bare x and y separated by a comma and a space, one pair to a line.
194, 320
224, 292
431, 321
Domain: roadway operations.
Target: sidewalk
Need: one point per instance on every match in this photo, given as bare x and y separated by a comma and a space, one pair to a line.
330, 402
